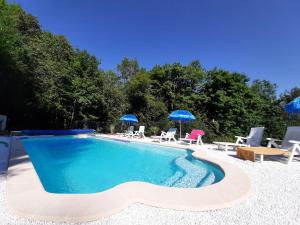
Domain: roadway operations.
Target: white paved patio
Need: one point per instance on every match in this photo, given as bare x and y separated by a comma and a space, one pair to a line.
275, 199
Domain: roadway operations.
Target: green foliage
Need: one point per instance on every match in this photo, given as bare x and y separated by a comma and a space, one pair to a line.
47, 83
128, 68
153, 131
270, 112
177, 85
286, 97
229, 102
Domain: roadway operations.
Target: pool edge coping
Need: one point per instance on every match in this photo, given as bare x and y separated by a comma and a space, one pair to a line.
29, 200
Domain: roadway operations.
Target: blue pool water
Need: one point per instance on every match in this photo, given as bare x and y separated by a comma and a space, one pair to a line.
89, 165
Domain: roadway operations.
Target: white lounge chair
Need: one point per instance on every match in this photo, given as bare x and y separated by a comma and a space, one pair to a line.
291, 142
253, 139
140, 133
169, 135
129, 132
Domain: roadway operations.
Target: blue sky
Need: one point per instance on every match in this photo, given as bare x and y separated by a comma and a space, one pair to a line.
260, 38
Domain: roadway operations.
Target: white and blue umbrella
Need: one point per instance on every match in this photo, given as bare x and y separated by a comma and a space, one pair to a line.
293, 107
181, 115
129, 118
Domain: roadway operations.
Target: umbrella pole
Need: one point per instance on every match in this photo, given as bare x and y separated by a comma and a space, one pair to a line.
180, 128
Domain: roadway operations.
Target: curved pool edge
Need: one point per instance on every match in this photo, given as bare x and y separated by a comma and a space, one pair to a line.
26, 197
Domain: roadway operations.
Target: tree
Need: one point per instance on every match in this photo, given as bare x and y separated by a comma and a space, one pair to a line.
285, 98
128, 68
115, 102
148, 108
229, 102
47, 83
53, 83
15, 87
176, 85
269, 109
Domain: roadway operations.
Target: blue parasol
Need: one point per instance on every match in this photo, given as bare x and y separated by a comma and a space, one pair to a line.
129, 118
293, 107
181, 115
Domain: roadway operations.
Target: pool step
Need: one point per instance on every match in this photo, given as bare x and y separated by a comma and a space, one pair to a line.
207, 180
194, 174
172, 180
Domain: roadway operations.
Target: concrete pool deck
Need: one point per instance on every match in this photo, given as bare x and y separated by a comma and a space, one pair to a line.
27, 198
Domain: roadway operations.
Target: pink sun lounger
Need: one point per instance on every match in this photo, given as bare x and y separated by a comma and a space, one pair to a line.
195, 135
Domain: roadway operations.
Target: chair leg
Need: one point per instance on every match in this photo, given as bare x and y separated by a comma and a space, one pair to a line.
261, 158
200, 140
239, 140
290, 159
294, 148
226, 148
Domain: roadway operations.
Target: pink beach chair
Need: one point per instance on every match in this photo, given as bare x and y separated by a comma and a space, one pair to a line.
195, 135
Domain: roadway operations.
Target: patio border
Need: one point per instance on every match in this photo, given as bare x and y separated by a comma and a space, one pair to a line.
26, 197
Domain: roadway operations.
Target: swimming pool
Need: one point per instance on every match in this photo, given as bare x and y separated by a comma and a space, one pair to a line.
91, 165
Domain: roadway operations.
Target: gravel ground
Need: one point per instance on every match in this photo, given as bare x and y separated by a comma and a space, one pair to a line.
275, 199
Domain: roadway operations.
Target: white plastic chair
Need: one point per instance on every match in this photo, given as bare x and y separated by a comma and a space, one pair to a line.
140, 133
169, 135
253, 139
129, 132
291, 142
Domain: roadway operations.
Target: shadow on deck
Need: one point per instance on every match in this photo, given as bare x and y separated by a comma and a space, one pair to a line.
12, 155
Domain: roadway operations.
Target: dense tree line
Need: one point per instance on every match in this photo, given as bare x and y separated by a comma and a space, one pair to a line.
46, 83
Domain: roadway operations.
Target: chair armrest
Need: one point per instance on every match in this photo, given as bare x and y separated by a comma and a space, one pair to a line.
241, 137
294, 142
272, 142
163, 133
186, 135
273, 139
241, 140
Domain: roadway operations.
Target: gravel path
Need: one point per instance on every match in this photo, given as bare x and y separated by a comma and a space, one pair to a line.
275, 199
